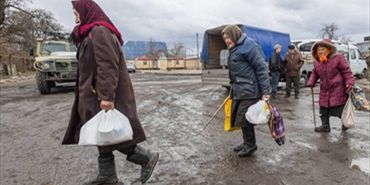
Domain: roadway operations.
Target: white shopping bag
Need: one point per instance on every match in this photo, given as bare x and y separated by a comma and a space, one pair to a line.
106, 128
258, 113
347, 117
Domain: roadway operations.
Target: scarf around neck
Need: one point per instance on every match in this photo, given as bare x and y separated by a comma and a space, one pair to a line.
91, 15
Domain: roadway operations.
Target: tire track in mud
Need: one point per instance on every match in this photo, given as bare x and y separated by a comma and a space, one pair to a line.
32, 127
160, 117
173, 114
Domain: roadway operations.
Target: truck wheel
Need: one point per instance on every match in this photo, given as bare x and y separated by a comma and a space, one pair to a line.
363, 74
52, 84
303, 81
43, 85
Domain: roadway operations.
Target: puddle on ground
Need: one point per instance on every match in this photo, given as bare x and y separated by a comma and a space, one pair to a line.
361, 165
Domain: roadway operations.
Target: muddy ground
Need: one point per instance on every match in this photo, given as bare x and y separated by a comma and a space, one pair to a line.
172, 109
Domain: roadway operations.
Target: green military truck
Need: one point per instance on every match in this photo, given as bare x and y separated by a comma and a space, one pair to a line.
55, 62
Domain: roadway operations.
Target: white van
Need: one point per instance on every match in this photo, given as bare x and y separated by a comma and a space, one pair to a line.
354, 59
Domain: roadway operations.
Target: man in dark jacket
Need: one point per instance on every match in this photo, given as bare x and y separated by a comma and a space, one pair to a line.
276, 67
294, 63
250, 82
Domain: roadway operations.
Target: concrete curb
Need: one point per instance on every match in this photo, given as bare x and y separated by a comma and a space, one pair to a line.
172, 73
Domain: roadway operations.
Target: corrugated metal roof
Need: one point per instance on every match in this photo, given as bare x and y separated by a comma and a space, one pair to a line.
134, 49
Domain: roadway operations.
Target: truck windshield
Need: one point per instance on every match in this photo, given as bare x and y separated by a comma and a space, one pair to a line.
363, 47
73, 48
53, 47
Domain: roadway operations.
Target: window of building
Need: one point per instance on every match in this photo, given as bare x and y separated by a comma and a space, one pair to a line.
145, 63
177, 62
154, 63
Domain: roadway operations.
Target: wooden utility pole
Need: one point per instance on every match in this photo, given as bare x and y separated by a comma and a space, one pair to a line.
185, 59
198, 51
10, 66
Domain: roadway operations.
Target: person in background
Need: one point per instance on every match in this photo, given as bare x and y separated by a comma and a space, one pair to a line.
336, 79
276, 67
249, 77
367, 58
294, 62
103, 83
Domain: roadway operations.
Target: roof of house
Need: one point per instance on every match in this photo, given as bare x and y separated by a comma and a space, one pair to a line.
146, 58
175, 58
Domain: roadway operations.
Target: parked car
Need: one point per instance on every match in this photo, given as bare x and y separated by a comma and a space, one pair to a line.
130, 68
356, 62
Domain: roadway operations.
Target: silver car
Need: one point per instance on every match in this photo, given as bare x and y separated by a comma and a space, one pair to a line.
130, 68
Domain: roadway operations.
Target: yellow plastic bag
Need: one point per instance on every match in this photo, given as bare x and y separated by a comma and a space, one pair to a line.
228, 112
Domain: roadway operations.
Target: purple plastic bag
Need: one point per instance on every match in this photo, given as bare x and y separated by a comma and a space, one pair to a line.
276, 125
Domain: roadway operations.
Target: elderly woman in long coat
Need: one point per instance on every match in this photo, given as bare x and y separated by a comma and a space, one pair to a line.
336, 79
103, 83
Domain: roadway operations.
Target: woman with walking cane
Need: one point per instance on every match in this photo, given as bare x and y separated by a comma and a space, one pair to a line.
336, 79
249, 77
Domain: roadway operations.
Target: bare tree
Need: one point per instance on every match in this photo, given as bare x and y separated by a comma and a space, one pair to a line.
177, 49
15, 35
328, 31
45, 23
151, 48
20, 29
7, 4
346, 39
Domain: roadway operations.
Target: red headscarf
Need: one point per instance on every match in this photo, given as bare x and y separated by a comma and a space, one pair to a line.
91, 15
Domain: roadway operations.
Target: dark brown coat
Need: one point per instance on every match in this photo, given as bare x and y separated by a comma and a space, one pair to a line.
102, 66
293, 65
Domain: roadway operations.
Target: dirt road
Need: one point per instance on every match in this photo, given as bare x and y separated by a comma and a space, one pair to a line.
172, 109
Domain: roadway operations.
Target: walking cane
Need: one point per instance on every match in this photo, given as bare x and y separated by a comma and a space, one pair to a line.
313, 108
218, 110
214, 115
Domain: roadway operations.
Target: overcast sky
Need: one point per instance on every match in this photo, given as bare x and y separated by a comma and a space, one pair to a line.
179, 20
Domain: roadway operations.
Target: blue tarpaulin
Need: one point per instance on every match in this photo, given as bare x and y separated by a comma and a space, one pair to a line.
266, 38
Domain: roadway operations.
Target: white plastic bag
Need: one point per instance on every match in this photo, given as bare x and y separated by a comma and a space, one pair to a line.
258, 113
106, 128
347, 117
